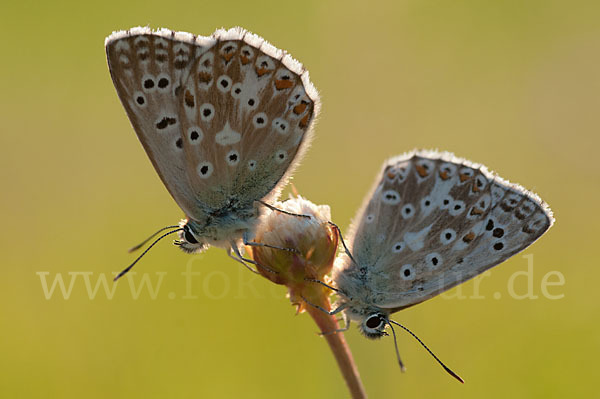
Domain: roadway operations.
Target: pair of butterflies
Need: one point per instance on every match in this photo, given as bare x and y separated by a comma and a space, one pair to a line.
225, 119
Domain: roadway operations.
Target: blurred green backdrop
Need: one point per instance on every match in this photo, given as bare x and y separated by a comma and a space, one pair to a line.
512, 84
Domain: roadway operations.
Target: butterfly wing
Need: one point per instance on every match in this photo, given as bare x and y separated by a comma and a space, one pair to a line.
254, 105
433, 221
146, 68
223, 118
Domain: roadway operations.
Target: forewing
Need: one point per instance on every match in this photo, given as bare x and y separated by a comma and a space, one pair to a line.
434, 221
147, 69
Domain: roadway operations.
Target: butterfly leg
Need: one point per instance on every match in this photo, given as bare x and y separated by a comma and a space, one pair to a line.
346, 250
260, 244
238, 257
312, 280
332, 312
240, 260
339, 330
271, 207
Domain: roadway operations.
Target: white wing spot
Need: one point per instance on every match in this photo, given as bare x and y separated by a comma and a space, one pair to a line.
426, 204
390, 197
162, 82
446, 202
403, 172
227, 136
456, 208
205, 169
195, 135
398, 247
280, 156
251, 103
207, 112
498, 246
280, 125
224, 83
447, 236
122, 45
497, 194
434, 260
480, 182
140, 99
264, 64
465, 174
424, 168
232, 158
407, 272
408, 211
260, 120
124, 60
148, 83
236, 90
448, 169
526, 209
416, 241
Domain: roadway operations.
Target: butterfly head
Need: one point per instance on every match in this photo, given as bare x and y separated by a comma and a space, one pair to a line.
189, 240
373, 325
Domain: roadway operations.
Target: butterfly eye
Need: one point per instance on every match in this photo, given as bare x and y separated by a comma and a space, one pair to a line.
374, 322
189, 237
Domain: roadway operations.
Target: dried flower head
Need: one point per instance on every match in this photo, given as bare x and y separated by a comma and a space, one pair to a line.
313, 240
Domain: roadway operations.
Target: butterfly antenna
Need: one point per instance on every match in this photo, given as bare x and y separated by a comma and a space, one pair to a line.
128, 268
397, 351
132, 249
452, 373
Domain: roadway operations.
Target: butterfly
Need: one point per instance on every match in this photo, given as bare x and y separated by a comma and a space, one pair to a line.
224, 120
431, 222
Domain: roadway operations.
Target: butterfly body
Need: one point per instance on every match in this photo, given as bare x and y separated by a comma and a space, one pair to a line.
224, 120
221, 226
431, 222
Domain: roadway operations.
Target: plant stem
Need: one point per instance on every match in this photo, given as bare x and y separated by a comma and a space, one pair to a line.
340, 349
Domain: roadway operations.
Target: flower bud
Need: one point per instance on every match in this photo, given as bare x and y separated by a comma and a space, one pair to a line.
315, 243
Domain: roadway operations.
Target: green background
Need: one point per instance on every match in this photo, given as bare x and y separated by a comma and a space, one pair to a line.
512, 84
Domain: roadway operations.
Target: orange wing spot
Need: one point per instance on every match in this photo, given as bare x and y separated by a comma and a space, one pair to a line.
444, 175
229, 56
261, 71
300, 108
391, 175
244, 59
204, 77
476, 211
189, 98
283, 84
463, 177
304, 121
421, 171
469, 237
475, 189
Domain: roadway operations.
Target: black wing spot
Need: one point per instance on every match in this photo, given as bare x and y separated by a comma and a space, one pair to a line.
163, 82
